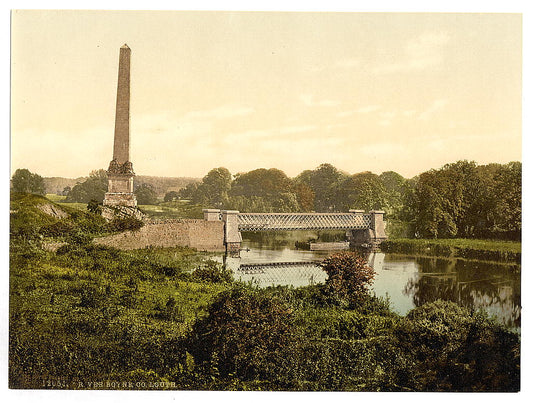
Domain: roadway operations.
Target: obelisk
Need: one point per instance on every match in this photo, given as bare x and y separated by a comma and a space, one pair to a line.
120, 172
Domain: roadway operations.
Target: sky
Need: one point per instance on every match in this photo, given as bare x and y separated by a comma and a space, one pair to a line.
376, 92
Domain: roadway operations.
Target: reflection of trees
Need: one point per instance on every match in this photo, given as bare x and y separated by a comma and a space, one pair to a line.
474, 285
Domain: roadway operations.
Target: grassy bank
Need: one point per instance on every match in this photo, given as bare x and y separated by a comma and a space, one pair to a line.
92, 317
478, 249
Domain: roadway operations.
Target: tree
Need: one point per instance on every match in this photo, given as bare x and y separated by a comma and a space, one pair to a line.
214, 188
145, 194
465, 200
362, 191
24, 181
263, 190
189, 191
212, 191
171, 196
324, 182
305, 196
94, 187
397, 191
433, 219
349, 277
508, 205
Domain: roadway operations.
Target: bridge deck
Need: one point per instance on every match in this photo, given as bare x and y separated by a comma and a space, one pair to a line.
302, 221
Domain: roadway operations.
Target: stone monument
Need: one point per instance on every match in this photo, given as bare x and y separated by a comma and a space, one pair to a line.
120, 172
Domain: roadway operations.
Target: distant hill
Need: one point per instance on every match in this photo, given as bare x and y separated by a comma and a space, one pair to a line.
55, 185
161, 185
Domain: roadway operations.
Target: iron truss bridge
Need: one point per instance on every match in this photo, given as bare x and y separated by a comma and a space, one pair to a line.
302, 221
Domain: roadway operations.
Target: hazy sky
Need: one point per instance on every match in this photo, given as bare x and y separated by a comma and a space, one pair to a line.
247, 90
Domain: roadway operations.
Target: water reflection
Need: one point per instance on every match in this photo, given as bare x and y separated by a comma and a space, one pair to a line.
408, 281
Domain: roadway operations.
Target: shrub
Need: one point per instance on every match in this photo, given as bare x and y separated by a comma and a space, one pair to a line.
457, 350
78, 237
349, 277
243, 335
94, 207
124, 224
212, 272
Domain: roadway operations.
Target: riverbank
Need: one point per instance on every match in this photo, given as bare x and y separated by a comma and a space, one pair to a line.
477, 249
87, 316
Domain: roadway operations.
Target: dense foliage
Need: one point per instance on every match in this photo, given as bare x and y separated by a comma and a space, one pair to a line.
349, 277
145, 194
461, 199
24, 181
457, 350
466, 200
92, 188
93, 317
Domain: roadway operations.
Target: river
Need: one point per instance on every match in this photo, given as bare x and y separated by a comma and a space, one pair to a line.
408, 281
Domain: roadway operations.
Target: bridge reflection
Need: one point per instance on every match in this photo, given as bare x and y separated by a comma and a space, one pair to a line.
295, 273
279, 273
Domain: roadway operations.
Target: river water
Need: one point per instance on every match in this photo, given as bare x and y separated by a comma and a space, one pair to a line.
408, 281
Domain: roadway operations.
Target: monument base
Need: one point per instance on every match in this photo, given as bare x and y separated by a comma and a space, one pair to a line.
115, 199
111, 213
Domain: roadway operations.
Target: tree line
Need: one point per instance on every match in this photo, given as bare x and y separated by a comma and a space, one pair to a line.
460, 199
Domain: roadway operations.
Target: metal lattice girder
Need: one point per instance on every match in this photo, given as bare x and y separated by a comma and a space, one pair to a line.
302, 221
282, 273
263, 267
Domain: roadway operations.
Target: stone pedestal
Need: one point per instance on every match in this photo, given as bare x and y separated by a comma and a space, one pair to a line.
120, 199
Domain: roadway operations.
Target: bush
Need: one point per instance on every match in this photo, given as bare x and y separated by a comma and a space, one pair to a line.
125, 224
457, 350
212, 272
244, 335
78, 237
349, 277
94, 207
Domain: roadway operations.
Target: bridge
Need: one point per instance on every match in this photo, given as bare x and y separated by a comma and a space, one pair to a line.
361, 227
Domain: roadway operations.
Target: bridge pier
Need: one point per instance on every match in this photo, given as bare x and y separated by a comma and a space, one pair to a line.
372, 236
232, 235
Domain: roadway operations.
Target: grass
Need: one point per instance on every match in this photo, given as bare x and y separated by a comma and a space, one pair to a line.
477, 244
77, 206
473, 249
55, 198
95, 312
60, 200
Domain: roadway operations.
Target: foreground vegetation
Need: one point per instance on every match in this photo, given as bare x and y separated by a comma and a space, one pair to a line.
87, 317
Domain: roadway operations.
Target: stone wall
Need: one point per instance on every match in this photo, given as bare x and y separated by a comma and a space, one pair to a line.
199, 234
